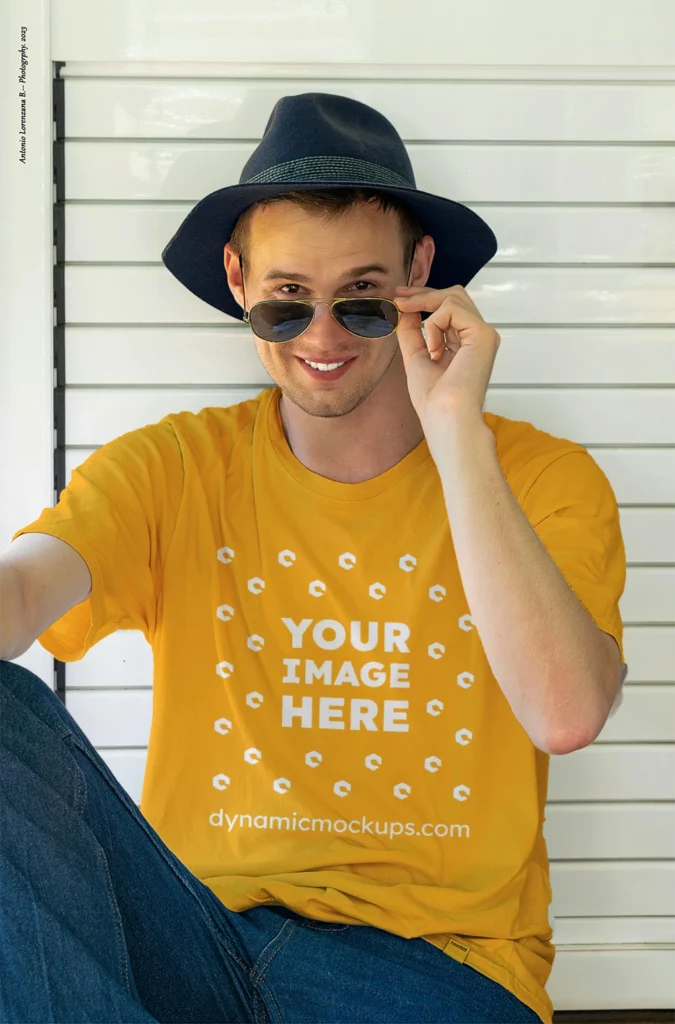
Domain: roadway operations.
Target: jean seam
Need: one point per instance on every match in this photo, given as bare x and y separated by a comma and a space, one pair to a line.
122, 952
320, 926
257, 973
124, 797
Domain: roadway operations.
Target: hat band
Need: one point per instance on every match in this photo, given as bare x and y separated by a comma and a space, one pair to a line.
347, 169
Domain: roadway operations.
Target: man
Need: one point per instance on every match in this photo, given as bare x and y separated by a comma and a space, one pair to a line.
375, 611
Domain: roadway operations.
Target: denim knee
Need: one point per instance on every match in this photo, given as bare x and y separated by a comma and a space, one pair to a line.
33, 693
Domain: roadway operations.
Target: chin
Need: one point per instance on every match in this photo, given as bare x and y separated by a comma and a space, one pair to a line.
325, 404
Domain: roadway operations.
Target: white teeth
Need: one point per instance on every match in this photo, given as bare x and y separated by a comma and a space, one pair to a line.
324, 366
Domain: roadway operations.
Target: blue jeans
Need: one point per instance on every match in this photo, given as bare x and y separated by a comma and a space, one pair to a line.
100, 921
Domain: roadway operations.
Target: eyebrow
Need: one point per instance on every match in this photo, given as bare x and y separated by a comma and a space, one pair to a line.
369, 268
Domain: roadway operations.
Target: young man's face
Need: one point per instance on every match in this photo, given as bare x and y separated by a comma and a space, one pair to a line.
318, 259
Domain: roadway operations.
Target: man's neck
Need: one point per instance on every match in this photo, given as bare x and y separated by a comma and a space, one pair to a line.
364, 443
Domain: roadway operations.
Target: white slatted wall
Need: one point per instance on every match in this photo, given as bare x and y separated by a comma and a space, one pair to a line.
576, 175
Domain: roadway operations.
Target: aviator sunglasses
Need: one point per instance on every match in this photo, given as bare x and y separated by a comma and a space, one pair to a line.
286, 319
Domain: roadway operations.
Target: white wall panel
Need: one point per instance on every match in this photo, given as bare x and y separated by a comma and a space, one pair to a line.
369, 31
108, 354
582, 888
122, 660
123, 232
639, 475
439, 110
601, 977
648, 534
138, 294
96, 415
595, 831
614, 930
468, 173
650, 651
585, 415
649, 595
614, 771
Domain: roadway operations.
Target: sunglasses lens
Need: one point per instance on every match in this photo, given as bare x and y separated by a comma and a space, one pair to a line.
281, 320
369, 318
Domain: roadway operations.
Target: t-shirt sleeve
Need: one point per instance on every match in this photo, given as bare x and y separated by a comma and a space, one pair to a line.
119, 512
572, 507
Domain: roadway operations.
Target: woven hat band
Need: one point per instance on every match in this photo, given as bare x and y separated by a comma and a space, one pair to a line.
330, 168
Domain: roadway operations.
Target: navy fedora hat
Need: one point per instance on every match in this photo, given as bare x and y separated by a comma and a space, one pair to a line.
313, 141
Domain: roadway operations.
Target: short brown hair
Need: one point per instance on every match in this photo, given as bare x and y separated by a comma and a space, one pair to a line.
332, 203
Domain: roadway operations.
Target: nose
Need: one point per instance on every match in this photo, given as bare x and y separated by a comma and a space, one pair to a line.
324, 325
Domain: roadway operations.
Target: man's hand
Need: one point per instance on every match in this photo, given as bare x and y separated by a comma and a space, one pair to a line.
449, 378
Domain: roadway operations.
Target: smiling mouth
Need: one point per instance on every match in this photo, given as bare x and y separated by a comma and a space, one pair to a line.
333, 373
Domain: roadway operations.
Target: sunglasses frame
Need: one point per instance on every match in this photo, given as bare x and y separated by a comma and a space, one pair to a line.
312, 303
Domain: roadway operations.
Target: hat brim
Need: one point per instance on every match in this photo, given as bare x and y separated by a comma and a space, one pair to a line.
464, 242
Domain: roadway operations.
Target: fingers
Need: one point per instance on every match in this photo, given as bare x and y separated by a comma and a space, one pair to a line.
435, 339
423, 299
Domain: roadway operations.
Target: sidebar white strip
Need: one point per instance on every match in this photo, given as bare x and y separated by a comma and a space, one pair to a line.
26, 277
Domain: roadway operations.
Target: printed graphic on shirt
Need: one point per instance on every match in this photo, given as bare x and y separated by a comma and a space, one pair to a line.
335, 678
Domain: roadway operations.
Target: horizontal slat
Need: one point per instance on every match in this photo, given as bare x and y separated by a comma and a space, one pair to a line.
520, 32
649, 596
587, 889
227, 355
611, 979
137, 233
121, 718
614, 930
650, 653
638, 475
619, 830
614, 772
181, 355
94, 416
124, 659
147, 294
613, 416
618, 772
467, 173
208, 109
275, 72
648, 534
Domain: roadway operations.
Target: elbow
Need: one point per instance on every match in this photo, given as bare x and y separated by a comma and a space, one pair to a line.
564, 739
566, 743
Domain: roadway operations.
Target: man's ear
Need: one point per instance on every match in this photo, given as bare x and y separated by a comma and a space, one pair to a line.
424, 257
233, 272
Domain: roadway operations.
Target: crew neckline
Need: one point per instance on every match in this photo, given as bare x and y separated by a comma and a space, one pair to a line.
337, 489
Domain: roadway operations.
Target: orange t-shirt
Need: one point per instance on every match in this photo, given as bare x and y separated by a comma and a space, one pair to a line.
327, 733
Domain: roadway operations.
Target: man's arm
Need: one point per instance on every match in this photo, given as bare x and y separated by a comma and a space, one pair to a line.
558, 671
41, 578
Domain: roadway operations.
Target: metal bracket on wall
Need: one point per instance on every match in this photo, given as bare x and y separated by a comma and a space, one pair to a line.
60, 314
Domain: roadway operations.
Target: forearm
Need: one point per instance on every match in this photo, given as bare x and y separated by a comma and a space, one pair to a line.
542, 645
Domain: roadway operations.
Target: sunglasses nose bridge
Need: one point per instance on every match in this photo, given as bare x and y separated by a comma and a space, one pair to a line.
324, 318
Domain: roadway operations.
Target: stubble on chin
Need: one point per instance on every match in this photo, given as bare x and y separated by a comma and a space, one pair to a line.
326, 404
